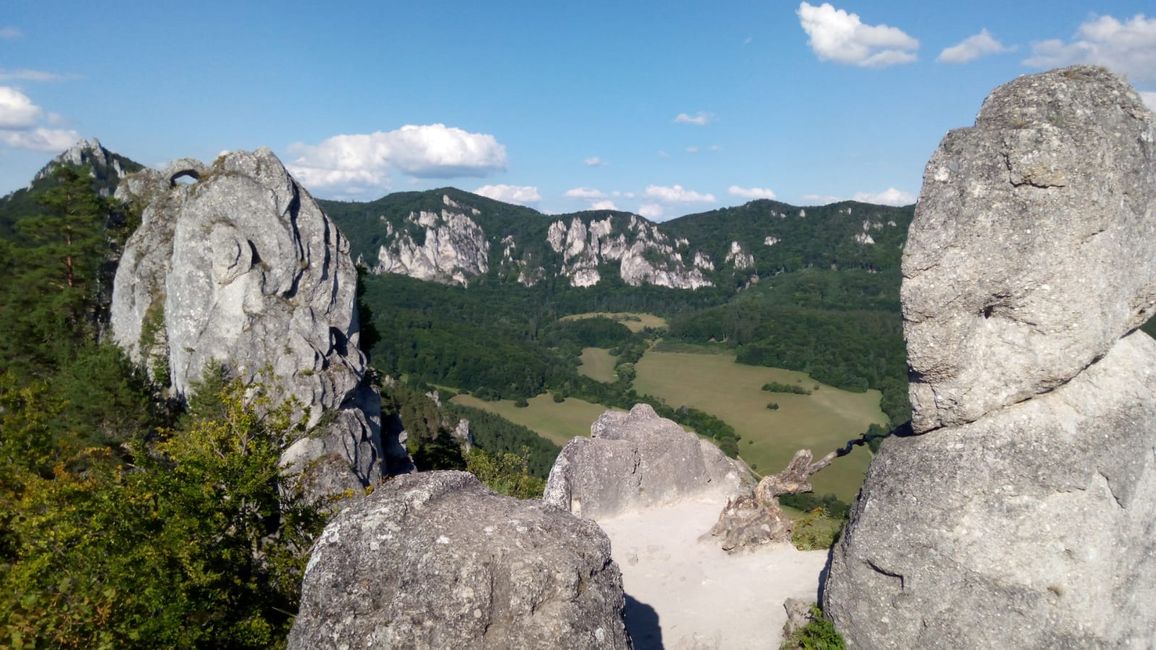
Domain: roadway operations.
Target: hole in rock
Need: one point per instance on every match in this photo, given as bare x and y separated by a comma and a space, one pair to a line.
184, 177
988, 311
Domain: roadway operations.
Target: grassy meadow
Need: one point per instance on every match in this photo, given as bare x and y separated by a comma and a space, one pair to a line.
634, 321
557, 422
821, 421
598, 364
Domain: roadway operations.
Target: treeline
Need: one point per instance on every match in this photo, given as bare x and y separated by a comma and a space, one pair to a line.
496, 434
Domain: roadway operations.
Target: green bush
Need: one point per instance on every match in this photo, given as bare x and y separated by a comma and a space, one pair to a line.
774, 406
818, 634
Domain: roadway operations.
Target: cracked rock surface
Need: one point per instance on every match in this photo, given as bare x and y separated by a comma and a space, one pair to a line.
634, 460
437, 560
243, 269
1022, 513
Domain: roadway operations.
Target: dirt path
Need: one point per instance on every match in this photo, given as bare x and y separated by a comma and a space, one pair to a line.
683, 594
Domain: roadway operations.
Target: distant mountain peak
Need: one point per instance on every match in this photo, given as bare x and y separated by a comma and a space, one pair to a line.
106, 167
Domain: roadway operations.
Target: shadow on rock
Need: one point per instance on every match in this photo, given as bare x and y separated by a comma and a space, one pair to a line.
642, 624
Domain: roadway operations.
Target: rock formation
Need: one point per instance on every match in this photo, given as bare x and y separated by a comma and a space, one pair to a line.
436, 560
754, 519
637, 459
453, 249
242, 269
1025, 513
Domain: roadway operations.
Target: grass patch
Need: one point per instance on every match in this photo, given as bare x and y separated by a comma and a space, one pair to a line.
554, 421
634, 321
822, 421
598, 364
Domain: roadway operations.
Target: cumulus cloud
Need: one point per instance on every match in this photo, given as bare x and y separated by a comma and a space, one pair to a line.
520, 194
821, 199
676, 194
16, 110
584, 193
971, 48
594, 161
40, 139
8, 33
836, 35
889, 196
606, 204
24, 74
426, 151
1149, 100
751, 192
650, 210
698, 119
1125, 47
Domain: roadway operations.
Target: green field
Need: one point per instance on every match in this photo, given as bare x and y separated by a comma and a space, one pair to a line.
634, 321
598, 364
557, 422
821, 421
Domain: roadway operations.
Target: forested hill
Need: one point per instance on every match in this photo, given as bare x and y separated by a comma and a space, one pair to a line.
786, 238
454, 237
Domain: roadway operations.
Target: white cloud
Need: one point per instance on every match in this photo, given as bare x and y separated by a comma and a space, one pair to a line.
839, 36
427, 151
24, 74
751, 192
594, 161
889, 196
603, 205
585, 193
9, 32
1125, 47
520, 194
16, 110
698, 119
39, 139
971, 48
692, 149
821, 199
676, 194
1149, 100
650, 210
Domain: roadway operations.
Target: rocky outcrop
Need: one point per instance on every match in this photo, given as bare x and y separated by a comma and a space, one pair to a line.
241, 269
106, 167
1043, 212
645, 255
450, 248
637, 459
436, 560
1023, 516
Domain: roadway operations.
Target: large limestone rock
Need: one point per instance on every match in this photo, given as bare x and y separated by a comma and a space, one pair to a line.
436, 560
634, 460
1031, 249
1025, 515
241, 268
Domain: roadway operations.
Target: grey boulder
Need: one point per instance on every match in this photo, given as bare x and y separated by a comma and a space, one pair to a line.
437, 560
1033, 527
637, 459
1031, 249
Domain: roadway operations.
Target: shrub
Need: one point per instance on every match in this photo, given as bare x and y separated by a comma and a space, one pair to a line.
818, 634
774, 406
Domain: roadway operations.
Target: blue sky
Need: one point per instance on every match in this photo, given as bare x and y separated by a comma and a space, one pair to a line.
661, 108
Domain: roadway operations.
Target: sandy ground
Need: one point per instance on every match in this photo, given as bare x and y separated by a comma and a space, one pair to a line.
683, 594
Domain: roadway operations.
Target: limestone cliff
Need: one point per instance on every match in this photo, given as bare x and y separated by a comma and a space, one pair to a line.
1021, 513
243, 269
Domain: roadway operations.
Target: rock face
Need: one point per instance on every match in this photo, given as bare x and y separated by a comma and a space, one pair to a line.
637, 459
1043, 211
436, 560
242, 269
453, 248
1025, 516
